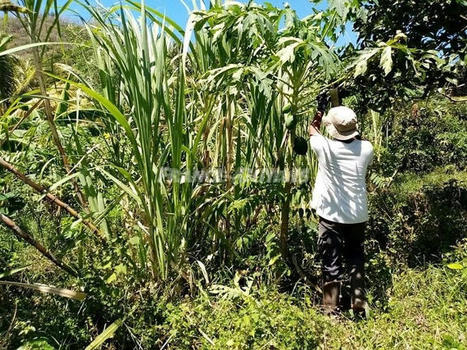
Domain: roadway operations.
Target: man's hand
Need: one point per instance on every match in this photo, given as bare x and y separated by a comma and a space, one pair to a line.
315, 124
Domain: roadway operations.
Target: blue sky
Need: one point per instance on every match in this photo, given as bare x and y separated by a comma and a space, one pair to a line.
177, 11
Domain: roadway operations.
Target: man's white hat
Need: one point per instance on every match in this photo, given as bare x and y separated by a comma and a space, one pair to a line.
341, 123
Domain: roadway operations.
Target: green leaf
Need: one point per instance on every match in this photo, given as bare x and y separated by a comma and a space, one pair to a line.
360, 68
107, 334
62, 181
39, 344
128, 190
361, 63
4, 40
287, 53
386, 60
6, 196
455, 266
340, 6
27, 47
112, 278
135, 240
273, 260
204, 271
12, 272
120, 269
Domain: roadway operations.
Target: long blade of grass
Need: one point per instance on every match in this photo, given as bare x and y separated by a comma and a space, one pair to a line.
66, 293
106, 334
29, 46
12, 272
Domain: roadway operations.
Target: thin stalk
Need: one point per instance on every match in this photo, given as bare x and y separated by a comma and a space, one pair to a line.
285, 210
52, 126
229, 151
296, 76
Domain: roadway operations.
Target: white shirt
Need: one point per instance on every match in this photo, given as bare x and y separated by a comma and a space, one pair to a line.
340, 194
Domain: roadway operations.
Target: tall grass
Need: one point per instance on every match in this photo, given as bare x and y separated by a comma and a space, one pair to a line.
209, 96
211, 102
146, 97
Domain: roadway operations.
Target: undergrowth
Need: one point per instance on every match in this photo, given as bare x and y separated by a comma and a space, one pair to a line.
427, 310
417, 298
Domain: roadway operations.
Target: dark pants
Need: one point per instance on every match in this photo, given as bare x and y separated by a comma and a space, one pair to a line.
340, 244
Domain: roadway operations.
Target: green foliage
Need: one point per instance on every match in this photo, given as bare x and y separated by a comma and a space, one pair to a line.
433, 135
105, 335
197, 264
429, 25
416, 221
290, 121
419, 46
269, 320
394, 70
420, 302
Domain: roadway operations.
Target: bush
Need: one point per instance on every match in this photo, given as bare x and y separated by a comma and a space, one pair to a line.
426, 310
434, 135
417, 226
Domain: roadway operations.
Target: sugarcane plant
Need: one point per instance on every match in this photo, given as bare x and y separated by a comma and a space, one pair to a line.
231, 91
218, 104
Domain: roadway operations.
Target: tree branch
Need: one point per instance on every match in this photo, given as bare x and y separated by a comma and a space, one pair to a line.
50, 196
19, 233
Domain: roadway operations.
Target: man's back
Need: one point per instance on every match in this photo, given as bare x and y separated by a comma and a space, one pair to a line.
340, 189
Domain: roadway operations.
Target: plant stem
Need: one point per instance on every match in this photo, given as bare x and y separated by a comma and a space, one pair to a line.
53, 128
285, 210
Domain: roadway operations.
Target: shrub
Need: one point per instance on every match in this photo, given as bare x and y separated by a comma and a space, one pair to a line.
417, 226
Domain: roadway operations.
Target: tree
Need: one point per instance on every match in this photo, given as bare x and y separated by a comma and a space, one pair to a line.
415, 48
429, 24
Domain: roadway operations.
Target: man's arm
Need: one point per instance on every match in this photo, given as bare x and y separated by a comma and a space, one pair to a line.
315, 124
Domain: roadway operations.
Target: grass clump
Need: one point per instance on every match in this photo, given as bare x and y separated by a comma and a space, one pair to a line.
268, 320
426, 311
412, 182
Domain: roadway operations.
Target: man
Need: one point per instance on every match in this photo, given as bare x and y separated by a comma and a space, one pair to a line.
340, 201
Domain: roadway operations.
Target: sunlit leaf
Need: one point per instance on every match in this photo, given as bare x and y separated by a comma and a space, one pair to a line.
386, 60
66, 293
455, 266
105, 335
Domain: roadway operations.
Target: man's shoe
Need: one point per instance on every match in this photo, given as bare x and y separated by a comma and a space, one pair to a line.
360, 308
